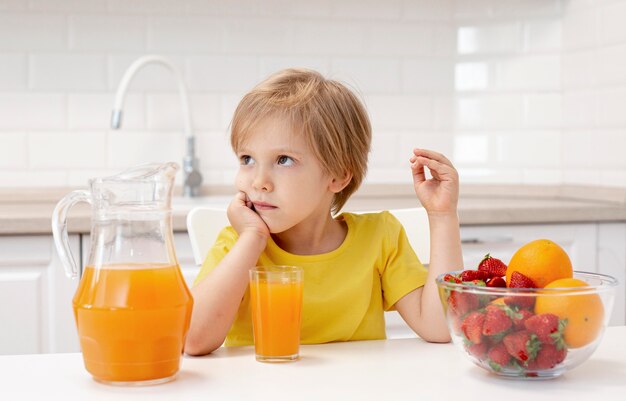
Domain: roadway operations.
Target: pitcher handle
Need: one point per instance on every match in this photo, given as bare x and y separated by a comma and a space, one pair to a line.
59, 229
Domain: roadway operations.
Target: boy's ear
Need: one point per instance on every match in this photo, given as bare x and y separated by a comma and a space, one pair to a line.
339, 183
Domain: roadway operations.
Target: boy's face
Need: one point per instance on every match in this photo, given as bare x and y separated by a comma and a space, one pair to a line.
282, 177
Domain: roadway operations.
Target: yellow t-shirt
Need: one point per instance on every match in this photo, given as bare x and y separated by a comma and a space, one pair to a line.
346, 290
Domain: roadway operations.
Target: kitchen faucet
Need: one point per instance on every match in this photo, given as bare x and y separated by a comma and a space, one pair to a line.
192, 176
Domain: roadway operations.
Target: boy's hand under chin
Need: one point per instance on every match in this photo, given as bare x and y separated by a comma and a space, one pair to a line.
243, 218
440, 194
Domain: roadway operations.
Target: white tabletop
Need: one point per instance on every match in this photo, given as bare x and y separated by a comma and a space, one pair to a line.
403, 369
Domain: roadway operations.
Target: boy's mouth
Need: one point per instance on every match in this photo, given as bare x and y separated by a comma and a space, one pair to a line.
263, 206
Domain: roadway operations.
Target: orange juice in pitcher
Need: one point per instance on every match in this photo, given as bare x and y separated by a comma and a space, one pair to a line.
132, 332
132, 306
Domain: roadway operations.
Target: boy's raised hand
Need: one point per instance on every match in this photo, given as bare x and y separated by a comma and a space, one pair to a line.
243, 218
440, 194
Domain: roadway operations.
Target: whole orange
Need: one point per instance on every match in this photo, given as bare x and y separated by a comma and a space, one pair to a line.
542, 261
584, 313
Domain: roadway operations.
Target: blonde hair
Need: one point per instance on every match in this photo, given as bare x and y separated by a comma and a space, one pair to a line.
331, 118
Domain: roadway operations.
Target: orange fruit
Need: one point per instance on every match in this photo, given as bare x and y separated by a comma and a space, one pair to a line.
584, 313
542, 261
498, 301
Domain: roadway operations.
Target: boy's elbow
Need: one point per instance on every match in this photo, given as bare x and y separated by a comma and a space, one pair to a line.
194, 347
441, 338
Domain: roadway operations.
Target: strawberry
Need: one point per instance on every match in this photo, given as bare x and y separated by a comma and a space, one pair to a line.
521, 301
496, 321
478, 350
548, 357
451, 278
472, 327
543, 326
522, 315
471, 275
492, 266
498, 354
496, 282
521, 345
462, 302
518, 280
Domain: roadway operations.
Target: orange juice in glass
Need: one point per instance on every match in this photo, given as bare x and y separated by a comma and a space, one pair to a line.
276, 304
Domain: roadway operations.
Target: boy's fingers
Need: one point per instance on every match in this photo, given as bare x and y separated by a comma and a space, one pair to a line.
431, 154
437, 169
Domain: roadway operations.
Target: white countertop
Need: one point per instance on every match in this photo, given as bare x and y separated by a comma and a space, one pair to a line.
29, 212
402, 369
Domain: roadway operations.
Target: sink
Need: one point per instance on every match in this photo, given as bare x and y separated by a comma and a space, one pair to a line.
183, 204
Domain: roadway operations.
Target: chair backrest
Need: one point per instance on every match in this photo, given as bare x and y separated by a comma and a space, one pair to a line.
205, 223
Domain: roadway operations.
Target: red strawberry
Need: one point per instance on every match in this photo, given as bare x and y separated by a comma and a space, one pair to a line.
521, 345
471, 275
548, 357
496, 282
472, 327
499, 355
451, 278
492, 266
518, 280
496, 321
522, 315
544, 326
521, 301
462, 302
478, 350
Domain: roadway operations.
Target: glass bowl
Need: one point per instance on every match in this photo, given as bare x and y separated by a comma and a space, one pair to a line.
528, 333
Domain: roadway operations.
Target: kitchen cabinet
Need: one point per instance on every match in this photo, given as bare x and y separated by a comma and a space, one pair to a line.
36, 296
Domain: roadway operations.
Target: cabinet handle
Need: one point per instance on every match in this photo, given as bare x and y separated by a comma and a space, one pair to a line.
504, 239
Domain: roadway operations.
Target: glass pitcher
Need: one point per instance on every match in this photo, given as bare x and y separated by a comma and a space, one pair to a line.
132, 307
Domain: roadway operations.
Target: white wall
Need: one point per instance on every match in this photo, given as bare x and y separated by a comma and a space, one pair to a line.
514, 91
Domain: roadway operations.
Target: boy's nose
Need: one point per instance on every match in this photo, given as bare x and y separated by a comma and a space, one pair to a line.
262, 181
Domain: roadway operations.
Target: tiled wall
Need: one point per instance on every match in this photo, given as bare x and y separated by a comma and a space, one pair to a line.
514, 91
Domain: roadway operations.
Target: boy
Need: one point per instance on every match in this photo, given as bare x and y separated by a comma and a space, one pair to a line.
302, 142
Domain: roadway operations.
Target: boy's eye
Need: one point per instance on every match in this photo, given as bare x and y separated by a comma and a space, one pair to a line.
245, 160
285, 161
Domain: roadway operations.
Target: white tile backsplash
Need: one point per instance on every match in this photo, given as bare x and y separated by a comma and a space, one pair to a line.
26, 111
367, 75
13, 150
215, 74
66, 149
483, 81
32, 32
13, 72
516, 148
185, 34
544, 110
490, 111
399, 111
67, 72
489, 39
92, 111
94, 33
542, 36
471, 76
529, 73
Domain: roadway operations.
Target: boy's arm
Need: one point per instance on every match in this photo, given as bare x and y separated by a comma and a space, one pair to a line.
218, 296
421, 308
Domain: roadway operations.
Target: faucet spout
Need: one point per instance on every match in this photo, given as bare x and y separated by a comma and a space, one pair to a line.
193, 178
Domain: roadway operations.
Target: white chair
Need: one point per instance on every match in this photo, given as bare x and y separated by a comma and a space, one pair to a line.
205, 223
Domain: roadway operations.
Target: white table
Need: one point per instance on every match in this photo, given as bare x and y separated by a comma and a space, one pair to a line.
402, 369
